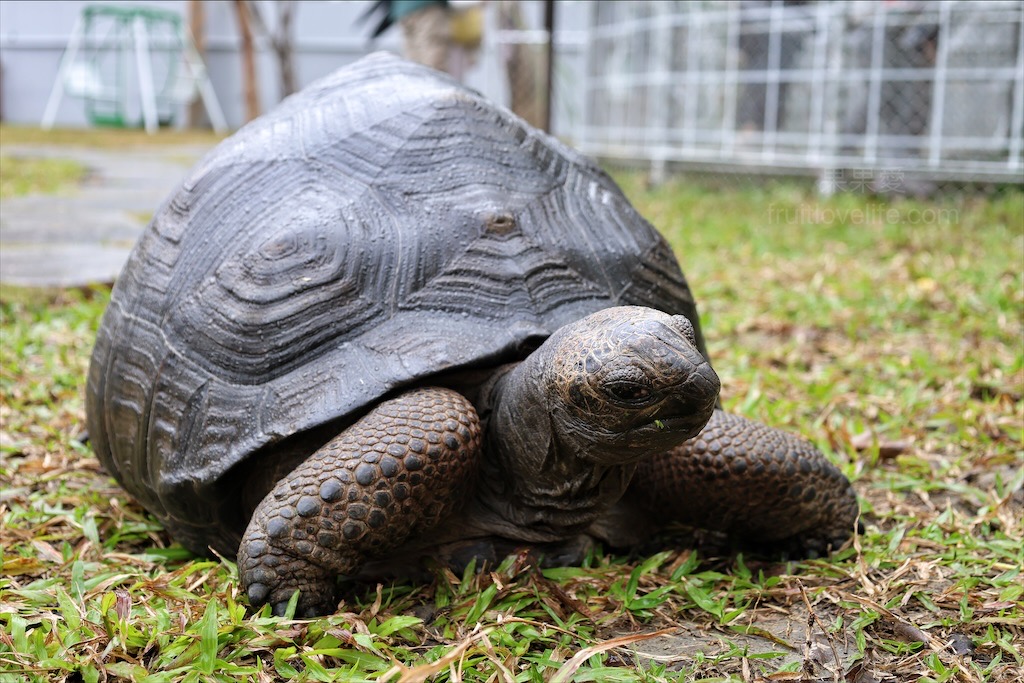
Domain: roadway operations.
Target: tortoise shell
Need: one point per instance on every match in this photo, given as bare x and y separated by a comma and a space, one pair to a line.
379, 229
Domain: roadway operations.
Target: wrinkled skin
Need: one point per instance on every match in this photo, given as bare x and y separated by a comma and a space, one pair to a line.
608, 430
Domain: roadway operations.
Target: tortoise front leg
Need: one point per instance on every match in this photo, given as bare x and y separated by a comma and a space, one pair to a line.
399, 469
756, 483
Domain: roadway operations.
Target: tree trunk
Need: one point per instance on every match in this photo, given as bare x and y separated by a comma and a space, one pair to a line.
526, 69
197, 117
252, 95
549, 63
283, 45
280, 40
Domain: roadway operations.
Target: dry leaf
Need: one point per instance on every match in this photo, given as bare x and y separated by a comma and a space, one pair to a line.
569, 669
886, 448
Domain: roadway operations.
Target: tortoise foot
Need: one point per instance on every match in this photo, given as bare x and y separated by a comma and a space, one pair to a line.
272, 576
400, 469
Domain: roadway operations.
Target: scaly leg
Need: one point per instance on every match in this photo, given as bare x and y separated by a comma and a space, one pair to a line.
399, 469
756, 483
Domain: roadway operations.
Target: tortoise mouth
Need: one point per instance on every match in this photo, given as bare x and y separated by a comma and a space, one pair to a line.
690, 424
674, 423
681, 419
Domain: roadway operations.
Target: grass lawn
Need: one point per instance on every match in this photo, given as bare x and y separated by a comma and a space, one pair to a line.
20, 176
889, 332
104, 138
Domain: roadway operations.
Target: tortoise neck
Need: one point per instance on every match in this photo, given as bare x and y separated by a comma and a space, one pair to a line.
538, 481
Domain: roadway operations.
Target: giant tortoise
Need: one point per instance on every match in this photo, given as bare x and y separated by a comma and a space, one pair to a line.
390, 319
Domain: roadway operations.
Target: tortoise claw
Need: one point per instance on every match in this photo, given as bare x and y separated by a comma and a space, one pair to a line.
258, 593
304, 610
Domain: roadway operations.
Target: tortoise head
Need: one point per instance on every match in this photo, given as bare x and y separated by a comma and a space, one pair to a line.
627, 382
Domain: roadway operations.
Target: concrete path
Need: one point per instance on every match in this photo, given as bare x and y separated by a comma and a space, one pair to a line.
84, 235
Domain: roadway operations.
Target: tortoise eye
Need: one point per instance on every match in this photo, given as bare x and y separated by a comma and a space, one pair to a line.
629, 392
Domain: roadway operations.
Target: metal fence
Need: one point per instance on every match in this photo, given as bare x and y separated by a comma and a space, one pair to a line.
919, 89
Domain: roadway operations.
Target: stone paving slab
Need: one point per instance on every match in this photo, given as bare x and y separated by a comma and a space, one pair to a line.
85, 234
60, 265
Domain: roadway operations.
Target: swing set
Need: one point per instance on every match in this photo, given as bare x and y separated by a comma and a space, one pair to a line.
111, 44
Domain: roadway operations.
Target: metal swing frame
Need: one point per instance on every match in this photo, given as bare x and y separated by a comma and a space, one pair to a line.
134, 24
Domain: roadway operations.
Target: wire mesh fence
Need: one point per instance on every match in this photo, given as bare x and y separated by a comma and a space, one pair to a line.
879, 93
